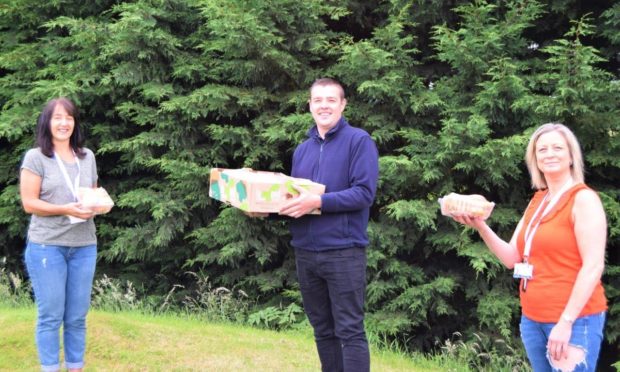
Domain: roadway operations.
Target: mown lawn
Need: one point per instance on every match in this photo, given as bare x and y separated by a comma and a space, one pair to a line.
131, 341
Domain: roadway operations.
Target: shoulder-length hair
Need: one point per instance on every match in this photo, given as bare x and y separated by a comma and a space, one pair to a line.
44, 133
576, 167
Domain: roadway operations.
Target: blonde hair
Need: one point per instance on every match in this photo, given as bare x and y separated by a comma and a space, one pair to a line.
576, 168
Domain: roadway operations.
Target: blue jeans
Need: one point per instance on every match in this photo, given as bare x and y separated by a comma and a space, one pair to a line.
61, 278
587, 334
333, 289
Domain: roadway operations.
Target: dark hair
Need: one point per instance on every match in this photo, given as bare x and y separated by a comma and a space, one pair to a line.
44, 133
328, 81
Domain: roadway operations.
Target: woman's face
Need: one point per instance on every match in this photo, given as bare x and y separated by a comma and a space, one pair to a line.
552, 154
61, 124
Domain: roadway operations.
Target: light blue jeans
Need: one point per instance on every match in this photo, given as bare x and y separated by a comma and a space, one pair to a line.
62, 279
587, 334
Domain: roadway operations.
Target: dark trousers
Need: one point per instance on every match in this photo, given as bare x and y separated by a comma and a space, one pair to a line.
333, 288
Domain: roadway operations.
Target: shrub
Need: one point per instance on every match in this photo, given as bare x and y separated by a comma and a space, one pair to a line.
278, 318
14, 290
481, 353
114, 295
216, 304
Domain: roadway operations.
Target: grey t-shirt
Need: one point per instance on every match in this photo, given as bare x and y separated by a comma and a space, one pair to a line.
56, 230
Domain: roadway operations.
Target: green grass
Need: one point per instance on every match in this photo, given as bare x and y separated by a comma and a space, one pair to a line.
130, 341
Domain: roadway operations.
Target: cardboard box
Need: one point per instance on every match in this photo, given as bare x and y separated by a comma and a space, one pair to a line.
257, 191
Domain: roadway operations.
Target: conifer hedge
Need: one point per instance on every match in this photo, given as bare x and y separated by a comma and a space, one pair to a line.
449, 90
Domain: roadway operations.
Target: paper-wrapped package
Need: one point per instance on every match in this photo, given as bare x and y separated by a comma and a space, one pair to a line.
473, 205
257, 191
97, 199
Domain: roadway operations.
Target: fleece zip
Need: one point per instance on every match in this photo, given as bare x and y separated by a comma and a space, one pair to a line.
346, 162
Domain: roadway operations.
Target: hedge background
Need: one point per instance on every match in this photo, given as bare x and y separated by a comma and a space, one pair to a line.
449, 90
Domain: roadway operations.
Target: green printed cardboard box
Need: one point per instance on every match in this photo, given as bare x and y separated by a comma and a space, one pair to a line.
257, 191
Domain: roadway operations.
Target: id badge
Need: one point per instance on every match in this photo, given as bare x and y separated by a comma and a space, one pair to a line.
73, 220
523, 270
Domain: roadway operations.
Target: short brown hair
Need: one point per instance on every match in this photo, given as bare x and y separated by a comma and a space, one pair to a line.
328, 81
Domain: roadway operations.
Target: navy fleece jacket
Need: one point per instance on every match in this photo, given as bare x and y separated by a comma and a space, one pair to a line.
347, 163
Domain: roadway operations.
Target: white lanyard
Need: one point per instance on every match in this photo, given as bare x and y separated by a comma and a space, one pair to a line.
73, 187
530, 231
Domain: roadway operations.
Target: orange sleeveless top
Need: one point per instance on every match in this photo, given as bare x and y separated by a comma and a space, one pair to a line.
556, 260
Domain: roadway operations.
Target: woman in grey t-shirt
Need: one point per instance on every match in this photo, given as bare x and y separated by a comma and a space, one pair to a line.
61, 250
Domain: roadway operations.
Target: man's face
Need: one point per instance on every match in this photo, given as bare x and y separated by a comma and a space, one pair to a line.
326, 106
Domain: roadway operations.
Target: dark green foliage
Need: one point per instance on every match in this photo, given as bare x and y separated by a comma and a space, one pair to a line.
450, 91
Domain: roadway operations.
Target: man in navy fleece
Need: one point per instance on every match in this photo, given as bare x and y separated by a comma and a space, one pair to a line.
330, 248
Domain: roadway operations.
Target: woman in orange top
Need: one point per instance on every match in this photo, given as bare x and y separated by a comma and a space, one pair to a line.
558, 252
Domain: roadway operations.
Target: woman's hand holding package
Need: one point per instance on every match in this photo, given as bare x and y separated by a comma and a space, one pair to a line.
77, 210
475, 222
